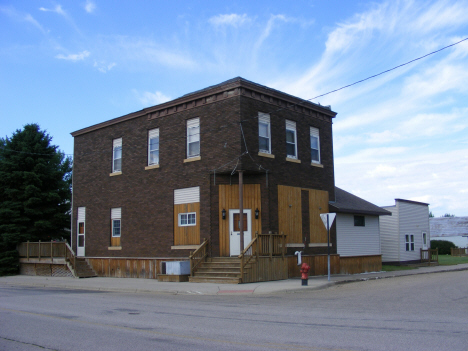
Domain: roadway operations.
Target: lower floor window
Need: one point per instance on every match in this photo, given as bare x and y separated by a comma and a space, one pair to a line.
409, 241
187, 219
116, 228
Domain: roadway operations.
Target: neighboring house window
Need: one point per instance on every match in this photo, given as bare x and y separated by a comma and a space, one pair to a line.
315, 145
153, 147
187, 219
193, 137
264, 132
424, 239
116, 222
117, 155
409, 242
359, 221
291, 139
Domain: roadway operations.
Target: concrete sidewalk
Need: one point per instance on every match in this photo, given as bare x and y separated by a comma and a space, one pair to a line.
133, 285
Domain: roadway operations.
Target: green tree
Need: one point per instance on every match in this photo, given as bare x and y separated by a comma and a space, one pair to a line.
35, 192
448, 215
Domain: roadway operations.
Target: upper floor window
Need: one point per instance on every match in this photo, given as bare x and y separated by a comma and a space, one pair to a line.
291, 139
264, 132
117, 155
315, 145
153, 147
187, 219
193, 137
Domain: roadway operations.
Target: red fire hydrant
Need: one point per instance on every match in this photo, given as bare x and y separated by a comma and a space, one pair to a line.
305, 268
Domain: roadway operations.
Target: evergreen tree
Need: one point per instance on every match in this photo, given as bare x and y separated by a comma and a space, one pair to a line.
35, 192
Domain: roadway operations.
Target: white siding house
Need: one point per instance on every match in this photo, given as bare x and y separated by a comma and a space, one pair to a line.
357, 232
405, 232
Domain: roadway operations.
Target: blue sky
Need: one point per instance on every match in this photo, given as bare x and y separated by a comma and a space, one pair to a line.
67, 65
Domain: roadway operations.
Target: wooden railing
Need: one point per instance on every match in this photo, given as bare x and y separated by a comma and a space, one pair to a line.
463, 251
271, 244
199, 256
246, 256
70, 257
42, 250
429, 255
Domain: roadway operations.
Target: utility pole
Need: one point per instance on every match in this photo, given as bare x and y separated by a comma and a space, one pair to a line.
241, 209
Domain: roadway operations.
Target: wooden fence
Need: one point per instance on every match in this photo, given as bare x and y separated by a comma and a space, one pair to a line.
463, 251
429, 256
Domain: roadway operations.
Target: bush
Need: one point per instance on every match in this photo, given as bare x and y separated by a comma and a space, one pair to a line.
443, 246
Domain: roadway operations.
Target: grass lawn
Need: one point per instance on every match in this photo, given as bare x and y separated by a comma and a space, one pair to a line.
387, 268
447, 260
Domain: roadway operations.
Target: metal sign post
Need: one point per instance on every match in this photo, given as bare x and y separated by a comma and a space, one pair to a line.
327, 219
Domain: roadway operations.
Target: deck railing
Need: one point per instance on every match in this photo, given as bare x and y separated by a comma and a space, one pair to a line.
272, 244
246, 256
429, 255
42, 250
198, 256
463, 251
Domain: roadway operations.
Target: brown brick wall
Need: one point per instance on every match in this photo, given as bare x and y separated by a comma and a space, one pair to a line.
146, 196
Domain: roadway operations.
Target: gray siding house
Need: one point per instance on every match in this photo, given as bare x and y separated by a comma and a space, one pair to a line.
405, 232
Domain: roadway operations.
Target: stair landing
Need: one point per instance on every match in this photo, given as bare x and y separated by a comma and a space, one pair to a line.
220, 270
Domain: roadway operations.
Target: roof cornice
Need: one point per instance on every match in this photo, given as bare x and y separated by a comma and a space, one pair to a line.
234, 87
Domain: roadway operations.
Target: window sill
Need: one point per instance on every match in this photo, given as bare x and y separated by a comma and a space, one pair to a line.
292, 160
185, 247
115, 174
316, 165
295, 245
191, 159
151, 167
113, 248
264, 154
319, 244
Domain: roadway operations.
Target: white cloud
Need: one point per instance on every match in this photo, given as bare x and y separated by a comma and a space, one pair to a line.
149, 99
90, 6
232, 19
57, 9
103, 66
12, 13
74, 57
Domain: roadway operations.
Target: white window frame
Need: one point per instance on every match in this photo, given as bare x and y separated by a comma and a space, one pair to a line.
264, 118
291, 126
116, 146
409, 242
193, 136
314, 133
116, 214
187, 217
153, 134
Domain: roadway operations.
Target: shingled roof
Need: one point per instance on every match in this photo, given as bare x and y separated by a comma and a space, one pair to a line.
348, 203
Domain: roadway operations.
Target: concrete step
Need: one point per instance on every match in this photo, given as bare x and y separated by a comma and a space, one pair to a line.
217, 274
218, 269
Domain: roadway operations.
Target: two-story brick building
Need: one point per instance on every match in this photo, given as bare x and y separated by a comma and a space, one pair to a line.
153, 184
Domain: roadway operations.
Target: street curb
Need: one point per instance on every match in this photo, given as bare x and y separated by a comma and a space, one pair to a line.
398, 275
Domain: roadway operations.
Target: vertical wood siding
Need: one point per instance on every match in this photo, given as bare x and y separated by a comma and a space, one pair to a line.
229, 199
357, 241
290, 213
188, 235
360, 264
267, 269
318, 265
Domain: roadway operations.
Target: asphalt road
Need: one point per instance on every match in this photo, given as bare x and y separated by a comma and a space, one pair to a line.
423, 312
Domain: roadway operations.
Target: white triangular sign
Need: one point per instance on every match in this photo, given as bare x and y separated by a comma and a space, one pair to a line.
331, 218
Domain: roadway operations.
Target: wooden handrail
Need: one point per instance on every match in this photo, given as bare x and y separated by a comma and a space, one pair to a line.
248, 248
199, 254
69, 251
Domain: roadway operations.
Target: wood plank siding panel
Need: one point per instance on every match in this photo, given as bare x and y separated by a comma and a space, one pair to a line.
187, 235
318, 203
290, 213
357, 241
267, 269
318, 265
229, 200
360, 264
389, 235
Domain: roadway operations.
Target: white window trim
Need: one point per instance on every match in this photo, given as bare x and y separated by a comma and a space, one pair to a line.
193, 123
153, 133
116, 143
291, 125
120, 228
314, 132
265, 119
409, 242
188, 224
